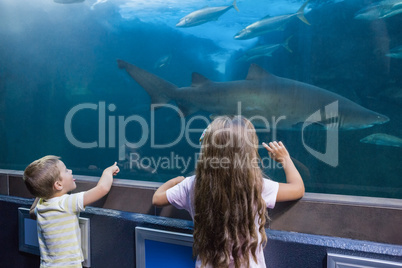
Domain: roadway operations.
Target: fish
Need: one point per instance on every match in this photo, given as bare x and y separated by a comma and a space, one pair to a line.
382, 139
261, 95
204, 15
264, 50
97, 3
380, 10
68, 1
392, 94
163, 61
396, 53
269, 24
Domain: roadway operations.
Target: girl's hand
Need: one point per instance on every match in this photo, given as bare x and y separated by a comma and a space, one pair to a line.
277, 151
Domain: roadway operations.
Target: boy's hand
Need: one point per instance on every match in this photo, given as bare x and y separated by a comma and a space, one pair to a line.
277, 151
113, 169
103, 186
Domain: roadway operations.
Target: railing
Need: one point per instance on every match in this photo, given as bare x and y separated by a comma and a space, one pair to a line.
355, 217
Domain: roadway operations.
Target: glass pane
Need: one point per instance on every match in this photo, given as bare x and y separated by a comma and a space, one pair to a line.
325, 76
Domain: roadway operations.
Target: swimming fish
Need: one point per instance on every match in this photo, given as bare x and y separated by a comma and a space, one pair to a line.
68, 1
269, 24
392, 94
383, 139
261, 94
97, 3
264, 50
396, 53
163, 61
380, 10
204, 15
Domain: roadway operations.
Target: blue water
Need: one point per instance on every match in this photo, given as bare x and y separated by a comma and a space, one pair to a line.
57, 56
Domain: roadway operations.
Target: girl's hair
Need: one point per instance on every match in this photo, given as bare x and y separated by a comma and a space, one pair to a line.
227, 194
40, 176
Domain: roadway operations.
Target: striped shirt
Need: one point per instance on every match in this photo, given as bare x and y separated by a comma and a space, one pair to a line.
59, 232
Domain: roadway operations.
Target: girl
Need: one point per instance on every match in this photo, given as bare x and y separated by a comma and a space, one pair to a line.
228, 196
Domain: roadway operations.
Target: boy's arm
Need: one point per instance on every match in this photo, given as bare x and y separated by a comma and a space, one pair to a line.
32, 213
294, 187
103, 186
160, 199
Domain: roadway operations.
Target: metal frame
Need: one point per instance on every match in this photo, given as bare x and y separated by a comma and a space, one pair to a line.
142, 234
26, 224
345, 261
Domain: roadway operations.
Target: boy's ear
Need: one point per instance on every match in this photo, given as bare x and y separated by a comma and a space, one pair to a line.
58, 186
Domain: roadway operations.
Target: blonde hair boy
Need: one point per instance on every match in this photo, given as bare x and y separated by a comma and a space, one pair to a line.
56, 211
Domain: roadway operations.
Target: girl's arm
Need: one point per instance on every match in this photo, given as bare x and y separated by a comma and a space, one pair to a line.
160, 199
294, 187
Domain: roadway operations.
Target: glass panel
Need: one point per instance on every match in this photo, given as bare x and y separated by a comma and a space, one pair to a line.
325, 76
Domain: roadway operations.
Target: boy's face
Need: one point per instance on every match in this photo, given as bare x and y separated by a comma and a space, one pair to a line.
66, 178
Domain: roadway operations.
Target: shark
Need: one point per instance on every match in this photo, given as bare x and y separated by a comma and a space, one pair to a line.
204, 15
269, 24
262, 95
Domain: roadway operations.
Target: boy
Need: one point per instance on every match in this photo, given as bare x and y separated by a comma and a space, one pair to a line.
57, 212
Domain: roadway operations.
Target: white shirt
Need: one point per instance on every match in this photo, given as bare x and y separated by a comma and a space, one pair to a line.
181, 196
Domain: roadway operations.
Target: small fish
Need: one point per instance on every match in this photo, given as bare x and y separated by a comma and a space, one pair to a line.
163, 61
264, 51
204, 15
92, 167
97, 3
269, 24
383, 139
392, 94
396, 53
68, 1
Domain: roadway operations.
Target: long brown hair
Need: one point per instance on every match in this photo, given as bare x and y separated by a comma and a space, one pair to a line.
227, 195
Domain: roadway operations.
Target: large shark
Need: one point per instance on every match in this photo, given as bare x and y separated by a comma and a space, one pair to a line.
269, 24
261, 94
204, 15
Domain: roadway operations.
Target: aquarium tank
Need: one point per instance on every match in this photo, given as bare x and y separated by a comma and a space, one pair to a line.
137, 82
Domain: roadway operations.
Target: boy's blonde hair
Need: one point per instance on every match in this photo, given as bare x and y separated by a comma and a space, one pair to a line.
40, 176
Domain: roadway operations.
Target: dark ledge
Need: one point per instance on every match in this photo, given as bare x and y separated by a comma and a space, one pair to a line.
355, 217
